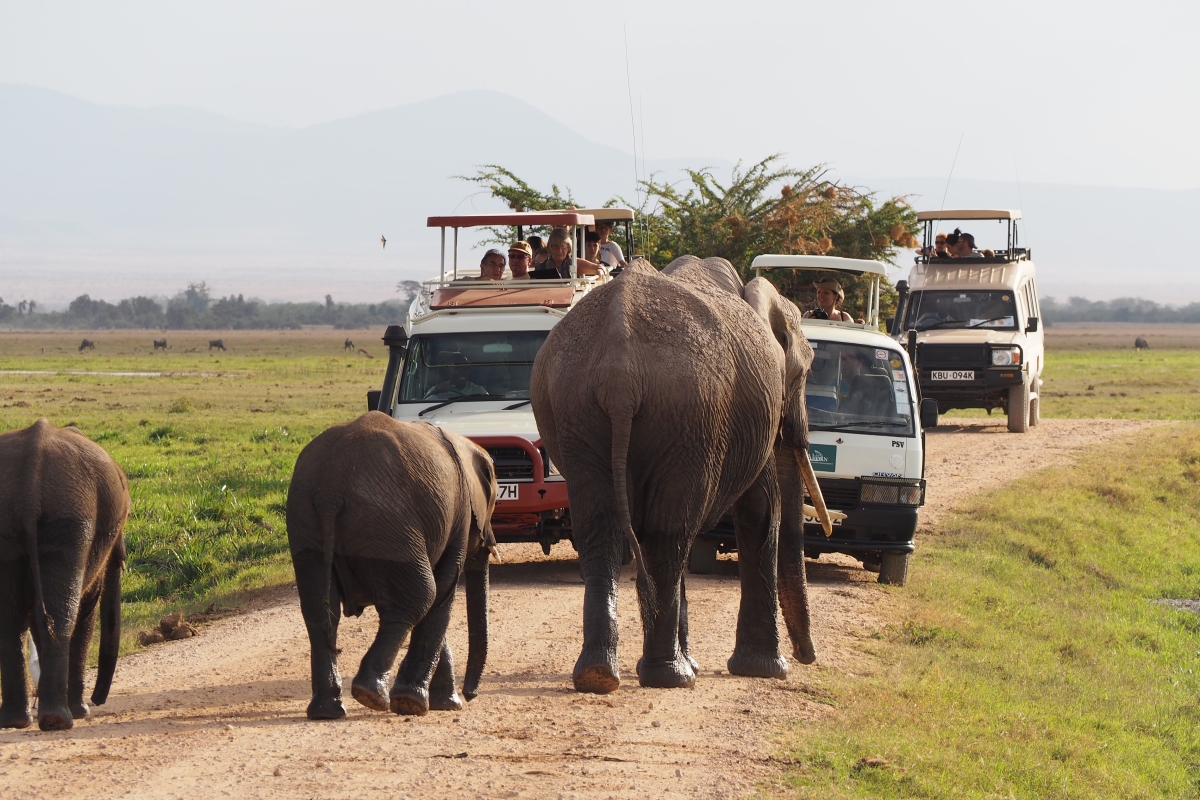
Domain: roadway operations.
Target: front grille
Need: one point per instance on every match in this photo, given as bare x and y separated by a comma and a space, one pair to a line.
512, 463
965, 355
840, 495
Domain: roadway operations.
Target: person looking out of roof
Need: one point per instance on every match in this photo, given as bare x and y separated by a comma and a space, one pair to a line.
961, 245
830, 295
491, 266
610, 254
591, 246
562, 262
520, 259
939, 246
535, 243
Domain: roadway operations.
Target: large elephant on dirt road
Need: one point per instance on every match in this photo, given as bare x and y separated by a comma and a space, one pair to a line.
63, 505
665, 399
387, 513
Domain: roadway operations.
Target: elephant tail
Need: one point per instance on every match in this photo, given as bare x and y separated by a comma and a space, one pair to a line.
622, 425
327, 510
110, 625
29, 511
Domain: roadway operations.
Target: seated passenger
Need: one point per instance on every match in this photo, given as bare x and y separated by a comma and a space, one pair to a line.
456, 384
520, 258
830, 295
610, 252
591, 246
491, 266
536, 243
562, 262
540, 254
961, 245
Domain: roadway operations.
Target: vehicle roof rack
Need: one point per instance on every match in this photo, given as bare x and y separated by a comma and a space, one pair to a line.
970, 213
618, 214
556, 218
857, 266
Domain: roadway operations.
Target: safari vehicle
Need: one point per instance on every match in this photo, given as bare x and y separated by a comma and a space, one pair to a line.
463, 359
972, 324
866, 439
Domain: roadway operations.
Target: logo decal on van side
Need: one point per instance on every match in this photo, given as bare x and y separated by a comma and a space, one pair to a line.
823, 457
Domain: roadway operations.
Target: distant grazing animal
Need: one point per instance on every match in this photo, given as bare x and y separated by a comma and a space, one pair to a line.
87, 344
160, 344
217, 343
348, 344
362, 352
1140, 343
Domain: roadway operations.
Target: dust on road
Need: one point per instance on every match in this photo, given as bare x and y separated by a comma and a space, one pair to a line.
222, 714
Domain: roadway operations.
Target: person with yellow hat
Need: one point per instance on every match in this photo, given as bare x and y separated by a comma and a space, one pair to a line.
830, 295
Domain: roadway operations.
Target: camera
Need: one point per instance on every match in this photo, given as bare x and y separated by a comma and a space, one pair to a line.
820, 313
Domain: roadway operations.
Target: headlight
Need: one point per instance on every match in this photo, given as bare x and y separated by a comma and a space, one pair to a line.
898, 491
1006, 356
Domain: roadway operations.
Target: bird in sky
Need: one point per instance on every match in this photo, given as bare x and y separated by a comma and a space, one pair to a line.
383, 240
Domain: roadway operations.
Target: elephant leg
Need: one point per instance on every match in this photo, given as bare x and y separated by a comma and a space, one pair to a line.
406, 591
81, 641
62, 554
427, 651
663, 664
320, 605
684, 642
443, 694
756, 522
600, 539
14, 621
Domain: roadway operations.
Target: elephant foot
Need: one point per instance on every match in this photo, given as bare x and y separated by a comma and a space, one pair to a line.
441, 701
371, 693
804, 652
412, 701
597, 673
757, 665
55, 719
326, 708
15, 719
676, 673
686, 657
80, 710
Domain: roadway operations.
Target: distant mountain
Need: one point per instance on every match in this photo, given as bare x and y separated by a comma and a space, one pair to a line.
115, 201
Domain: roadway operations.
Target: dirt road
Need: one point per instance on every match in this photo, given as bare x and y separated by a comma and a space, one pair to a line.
223, 714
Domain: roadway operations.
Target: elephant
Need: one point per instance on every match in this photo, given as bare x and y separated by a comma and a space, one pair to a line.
388, 513
63, 506
693, 404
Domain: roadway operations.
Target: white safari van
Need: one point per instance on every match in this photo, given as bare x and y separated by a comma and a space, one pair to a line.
971, 323
865, 432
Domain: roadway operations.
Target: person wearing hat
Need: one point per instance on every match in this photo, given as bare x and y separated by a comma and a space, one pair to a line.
520, 259
961, 245
830, 295
491, 266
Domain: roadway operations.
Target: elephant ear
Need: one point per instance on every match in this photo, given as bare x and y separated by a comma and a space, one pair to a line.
783, 318
481, 484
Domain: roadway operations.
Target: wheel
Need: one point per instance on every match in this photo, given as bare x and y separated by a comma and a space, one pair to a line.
703, 558
1018, 409
1035, 411
893, 568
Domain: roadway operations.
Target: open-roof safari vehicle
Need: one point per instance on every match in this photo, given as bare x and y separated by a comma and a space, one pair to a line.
865, 428
972, 323
463, 359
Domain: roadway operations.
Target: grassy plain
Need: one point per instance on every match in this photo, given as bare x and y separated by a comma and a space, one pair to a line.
207, 438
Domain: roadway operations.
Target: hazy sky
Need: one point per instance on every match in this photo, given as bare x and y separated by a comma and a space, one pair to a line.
1097, 93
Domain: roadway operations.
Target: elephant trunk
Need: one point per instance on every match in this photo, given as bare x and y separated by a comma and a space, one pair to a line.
814, 490
793, 585
476, 575
110, 625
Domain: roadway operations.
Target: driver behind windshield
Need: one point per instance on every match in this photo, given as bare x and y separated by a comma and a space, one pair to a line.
455, 383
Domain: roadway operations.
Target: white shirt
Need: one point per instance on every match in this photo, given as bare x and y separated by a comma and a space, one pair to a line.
610, 254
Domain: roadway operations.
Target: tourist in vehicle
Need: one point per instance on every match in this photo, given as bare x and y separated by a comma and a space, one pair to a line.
939, 246
456, 382
830, 295
562, 262
520, 259
540, 254
961, 245
491, 266
536, 243
591, 246
610, 252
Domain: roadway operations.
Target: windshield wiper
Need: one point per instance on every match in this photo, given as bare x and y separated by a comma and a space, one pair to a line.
871, 423
516, 405
937, 324
445, 403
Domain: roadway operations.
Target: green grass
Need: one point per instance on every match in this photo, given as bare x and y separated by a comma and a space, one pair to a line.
1030, 658
208, 452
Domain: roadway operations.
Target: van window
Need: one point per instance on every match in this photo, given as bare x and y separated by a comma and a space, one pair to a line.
486, 366
955, 309
858, 388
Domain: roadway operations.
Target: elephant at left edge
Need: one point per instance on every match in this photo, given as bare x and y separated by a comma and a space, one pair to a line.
389, 513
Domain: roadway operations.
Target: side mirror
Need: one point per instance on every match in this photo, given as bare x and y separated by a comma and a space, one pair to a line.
929, 413
1032, 326
373, 399
889, 322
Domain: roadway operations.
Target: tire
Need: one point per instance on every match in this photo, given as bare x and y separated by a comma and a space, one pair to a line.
1018, 409
893, 568
1035, 411
703, 558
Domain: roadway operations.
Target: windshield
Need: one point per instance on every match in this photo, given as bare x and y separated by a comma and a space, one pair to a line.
944, 309
475, 366
858, 388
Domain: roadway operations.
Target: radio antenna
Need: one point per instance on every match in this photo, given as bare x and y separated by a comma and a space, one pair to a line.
951, 175
637, 193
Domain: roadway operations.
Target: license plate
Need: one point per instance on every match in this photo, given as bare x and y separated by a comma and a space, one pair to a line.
815, 521
508, 491
953, 374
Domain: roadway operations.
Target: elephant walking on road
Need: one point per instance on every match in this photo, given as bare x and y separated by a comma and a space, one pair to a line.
388, 513
665, 399
63, 506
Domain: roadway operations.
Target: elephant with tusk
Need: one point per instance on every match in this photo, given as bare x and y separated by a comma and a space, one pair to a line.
666, 399
389, 513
